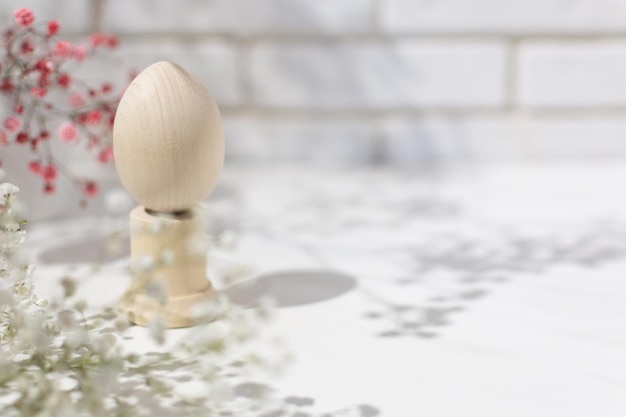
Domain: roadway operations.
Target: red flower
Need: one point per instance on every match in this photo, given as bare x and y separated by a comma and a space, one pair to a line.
77, 100
107, 88
63, 49
39, 92
44, 135
106, 155
7, 86
44, 65
68, 132
113, 42
19, 109
12, 124
22, 138
64, 80
35, 167
27, 46
24, 17
50, 173
96, 39
91, 189
49, 188
79, 52
92, 118
53, 27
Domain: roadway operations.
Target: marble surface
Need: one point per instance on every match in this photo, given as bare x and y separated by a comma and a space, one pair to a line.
485, 292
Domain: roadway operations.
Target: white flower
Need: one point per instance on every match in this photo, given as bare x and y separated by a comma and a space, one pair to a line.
7, 189
156, 329
11, 227
227, 239
157, 291
143, 264
167, 257
118, 201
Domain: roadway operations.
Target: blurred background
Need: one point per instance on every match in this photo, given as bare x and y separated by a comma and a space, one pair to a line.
403, 83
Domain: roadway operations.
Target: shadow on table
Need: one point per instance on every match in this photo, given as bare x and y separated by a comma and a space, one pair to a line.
292, 288
87, 250
474, 265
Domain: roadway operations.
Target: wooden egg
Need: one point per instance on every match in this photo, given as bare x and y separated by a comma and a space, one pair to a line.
168, 139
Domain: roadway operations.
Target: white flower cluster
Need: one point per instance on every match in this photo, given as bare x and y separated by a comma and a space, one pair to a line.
56, 361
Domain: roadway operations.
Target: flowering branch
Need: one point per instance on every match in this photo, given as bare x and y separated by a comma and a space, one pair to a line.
43, 96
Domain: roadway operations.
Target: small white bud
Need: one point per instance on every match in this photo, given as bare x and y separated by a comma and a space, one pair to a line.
167, 257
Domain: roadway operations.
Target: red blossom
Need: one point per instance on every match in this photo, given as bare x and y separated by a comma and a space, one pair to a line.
106, 155
97, 39
77, 100
12, 124
50, 173
68, 132
64, 80
27, 46
39, 92
7, 86
91, 189
49, 188
44, 65
63, 49
44, 135
113, 42
19, 109
107, 88
92, 118
53, 27
79, 53
22, 138
24, 17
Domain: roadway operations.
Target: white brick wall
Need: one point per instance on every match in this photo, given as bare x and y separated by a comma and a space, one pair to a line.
446, 140
408, 82
505, 16
326, 142
239, 16
379, 75
578, 74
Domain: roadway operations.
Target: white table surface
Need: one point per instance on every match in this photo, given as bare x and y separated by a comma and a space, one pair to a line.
476, 293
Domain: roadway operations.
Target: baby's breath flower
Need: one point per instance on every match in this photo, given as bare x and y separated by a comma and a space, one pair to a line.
69, 286
167, 257
156, 329
143, 264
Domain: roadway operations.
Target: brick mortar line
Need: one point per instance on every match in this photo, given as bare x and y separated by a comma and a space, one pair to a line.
377, 16
513, 75
363, 37
380, 115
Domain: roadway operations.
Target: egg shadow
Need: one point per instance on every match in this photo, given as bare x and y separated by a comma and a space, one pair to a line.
292, 288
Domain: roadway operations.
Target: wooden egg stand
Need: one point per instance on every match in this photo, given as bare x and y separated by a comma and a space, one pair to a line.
169, 153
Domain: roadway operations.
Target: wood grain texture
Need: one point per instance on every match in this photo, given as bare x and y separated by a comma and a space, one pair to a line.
168, 139
184, 280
